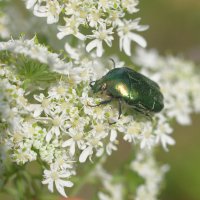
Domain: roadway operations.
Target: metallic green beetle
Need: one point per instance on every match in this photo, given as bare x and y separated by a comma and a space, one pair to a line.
135, 89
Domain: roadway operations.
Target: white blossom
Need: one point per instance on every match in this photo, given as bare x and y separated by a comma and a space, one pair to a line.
103, 34
77, 138
58, 177
90, 15
51, 10
163, 131
71, 27
126, 34
130, 5
146, 166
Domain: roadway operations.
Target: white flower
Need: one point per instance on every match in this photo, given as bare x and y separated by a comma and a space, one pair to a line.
47, 152
56, 175
24, 154
93, 143
180, 108
51, 10
71, 27
45, 105
114, 191
114, 17
99, 36
146, 166
77, 138
104, 4
84, 15
126, 35
130, 5
58, 91
58, 122
163, 131
133, 131
94, 17
147, 138
73, 7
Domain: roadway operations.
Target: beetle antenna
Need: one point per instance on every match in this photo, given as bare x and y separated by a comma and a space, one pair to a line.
113, 61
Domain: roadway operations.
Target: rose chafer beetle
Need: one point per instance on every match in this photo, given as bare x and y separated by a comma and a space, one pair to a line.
131, 87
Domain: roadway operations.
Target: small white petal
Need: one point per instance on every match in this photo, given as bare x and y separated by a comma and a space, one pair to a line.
52, 19
120, 43
113, 135
66, 183
80, 36
127, 46
61, 35
50, 186
72, 148
138, 39
37, 112
60, 188
91, 45
84, 155
99, 49
48, 136
67, 142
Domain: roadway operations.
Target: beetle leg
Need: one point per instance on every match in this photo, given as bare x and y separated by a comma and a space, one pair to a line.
139, 108
101, 103
120, 108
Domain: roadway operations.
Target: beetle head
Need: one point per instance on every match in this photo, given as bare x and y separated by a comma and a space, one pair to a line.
98, 86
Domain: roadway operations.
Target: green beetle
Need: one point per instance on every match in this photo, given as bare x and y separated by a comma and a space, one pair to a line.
135, 89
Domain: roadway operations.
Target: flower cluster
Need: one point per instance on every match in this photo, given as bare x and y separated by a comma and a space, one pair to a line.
102, 18
112, 190
59, 126
146, 166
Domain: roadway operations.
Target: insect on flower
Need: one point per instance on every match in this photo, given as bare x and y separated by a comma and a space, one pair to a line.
131, 87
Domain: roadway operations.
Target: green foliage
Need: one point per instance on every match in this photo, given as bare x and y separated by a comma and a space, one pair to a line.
31, 72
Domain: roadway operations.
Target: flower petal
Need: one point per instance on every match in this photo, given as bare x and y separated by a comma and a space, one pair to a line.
99, 49
85, 153
91, 45
138, 39
127, 46
60, 188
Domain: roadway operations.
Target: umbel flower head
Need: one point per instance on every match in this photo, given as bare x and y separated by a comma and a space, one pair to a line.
102, 19
56, 125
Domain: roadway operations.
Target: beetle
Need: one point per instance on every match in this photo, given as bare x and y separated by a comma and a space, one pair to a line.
131, 87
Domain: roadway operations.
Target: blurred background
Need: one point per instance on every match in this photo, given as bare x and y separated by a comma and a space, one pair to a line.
174, 29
